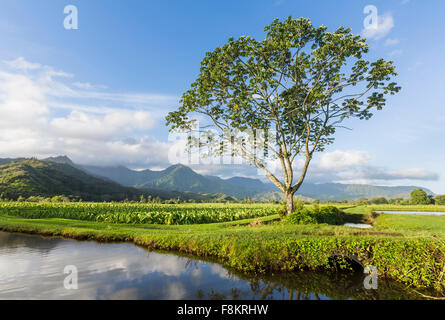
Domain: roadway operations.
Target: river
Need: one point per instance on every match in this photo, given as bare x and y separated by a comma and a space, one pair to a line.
32, 267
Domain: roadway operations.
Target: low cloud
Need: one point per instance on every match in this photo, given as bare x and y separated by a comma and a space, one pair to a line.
372, 173
357, 167
43, 113
342, 160
101, 127
353, 166
21, 64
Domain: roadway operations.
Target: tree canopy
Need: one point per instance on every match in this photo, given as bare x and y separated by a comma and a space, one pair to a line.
418, 196
440, 200
297, 85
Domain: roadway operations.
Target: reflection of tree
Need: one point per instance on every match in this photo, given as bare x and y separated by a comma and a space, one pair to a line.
192, 264
312, 286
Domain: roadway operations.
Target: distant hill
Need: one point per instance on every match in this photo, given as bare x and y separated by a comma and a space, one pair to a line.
9, 160
59, 175
182, 178
44, 178
337, 191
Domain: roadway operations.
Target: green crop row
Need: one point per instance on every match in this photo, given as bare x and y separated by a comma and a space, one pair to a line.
137, 213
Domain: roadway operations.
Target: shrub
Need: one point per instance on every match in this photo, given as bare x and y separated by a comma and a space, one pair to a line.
380, 200
304, 216
328, 215
60, 199
440, 200
298, 206
420, 197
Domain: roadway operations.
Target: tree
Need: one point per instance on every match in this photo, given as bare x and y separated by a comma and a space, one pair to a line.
440, 200
379, 200
418, 196
290, 92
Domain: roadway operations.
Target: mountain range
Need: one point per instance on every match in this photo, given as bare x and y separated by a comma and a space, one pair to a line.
61, 176
182, 178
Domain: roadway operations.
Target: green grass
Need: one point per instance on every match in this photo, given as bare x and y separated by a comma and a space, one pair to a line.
409, 249
410, 225
426, 225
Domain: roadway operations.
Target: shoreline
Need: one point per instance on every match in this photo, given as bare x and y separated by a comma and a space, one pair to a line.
260, 253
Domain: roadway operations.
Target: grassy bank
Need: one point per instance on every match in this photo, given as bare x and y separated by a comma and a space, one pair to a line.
421, 208
408, 249
137, 213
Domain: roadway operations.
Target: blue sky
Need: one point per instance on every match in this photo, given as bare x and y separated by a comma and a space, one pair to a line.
99, 93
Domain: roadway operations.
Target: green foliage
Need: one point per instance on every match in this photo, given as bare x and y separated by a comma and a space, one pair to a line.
420, 197
34, 178
36, 199
316, 215
439, 200
304, 216
46, 179
413, 260
380, 200
135, 213
298, 206
297, 85
60, 199
397, 201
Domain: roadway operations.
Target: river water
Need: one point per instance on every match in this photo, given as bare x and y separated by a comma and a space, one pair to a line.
32, 267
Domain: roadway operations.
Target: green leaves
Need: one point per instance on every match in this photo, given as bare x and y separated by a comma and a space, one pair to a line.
138, 213
300, 81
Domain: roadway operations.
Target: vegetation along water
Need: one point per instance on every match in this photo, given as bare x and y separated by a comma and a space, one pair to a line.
255, 239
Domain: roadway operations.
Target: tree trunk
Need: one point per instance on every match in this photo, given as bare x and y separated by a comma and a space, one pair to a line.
289, 202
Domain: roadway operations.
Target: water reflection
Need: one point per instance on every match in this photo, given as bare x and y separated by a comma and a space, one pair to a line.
31, 267
358, 225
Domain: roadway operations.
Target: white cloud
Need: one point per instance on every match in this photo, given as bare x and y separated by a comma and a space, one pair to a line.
341, 160
381, 29
111, 125
88, 86
41, 114
356, 167
403, 174
353, 166
21, 64
391, 42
